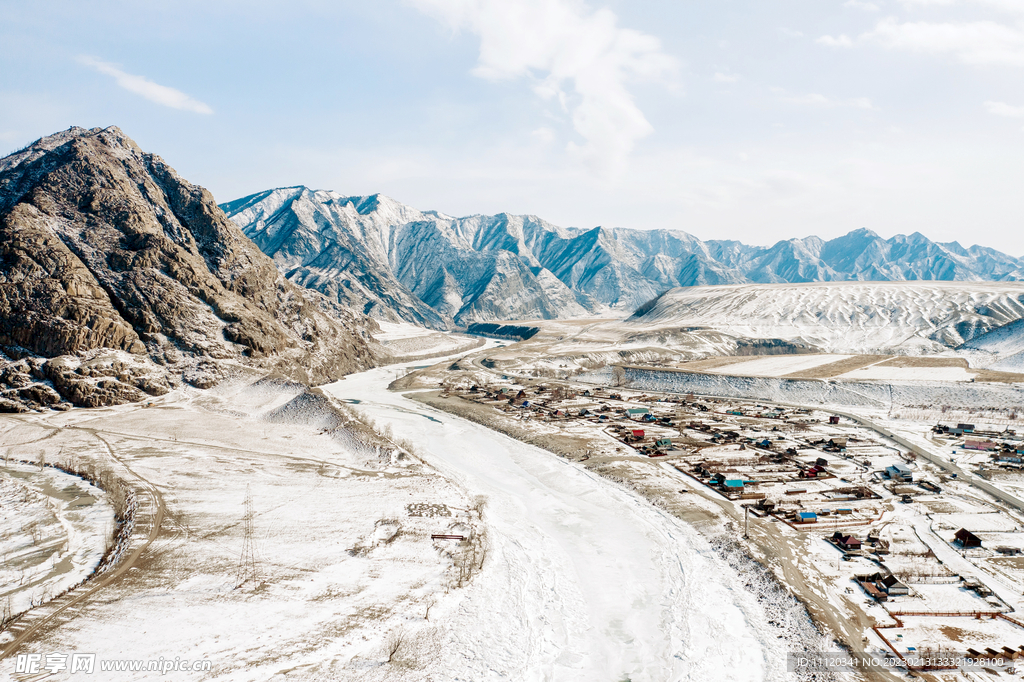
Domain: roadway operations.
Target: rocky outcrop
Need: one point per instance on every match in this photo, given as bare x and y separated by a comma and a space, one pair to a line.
105, 248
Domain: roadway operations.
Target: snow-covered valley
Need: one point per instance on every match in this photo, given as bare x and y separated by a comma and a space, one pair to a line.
591, 581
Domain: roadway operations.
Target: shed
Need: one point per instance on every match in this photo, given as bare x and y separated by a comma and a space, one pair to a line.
807, 517
966, 539
833, 419
966, 428
638, 433
663, 442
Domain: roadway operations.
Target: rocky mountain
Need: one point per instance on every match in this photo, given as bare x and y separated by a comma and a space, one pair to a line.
119, 278
395, 262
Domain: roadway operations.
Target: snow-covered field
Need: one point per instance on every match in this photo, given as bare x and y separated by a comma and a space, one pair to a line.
54, 530
405, 340
777, 365
342, 566
885, 372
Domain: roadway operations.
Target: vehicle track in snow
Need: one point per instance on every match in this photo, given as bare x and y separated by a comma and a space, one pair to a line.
149, 517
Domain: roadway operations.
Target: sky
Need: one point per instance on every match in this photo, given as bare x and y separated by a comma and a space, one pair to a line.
733, 119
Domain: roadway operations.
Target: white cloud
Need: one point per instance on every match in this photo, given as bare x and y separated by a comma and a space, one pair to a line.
1013, 6
725, 77
839, 41
818, 100
977, 42
154, 92
577, 56
1004, 109
860, 4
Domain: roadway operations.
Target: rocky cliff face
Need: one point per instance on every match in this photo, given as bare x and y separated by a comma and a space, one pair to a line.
396, 262
109, 258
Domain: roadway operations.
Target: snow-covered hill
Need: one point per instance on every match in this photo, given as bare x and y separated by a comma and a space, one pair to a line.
1000, 349
852, 317
396, 262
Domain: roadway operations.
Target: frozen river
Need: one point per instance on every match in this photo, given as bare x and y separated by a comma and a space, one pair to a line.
583, 579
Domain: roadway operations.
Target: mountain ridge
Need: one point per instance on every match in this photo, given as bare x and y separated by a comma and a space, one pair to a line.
397, 262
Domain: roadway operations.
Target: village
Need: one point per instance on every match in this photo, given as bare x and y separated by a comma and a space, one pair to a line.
932, 565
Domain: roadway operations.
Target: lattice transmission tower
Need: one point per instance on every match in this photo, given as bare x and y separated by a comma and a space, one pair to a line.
248, 563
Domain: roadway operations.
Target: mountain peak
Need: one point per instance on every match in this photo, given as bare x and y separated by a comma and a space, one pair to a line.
107, 247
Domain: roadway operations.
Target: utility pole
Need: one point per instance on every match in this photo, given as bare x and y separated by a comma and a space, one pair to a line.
248, 568
746, 522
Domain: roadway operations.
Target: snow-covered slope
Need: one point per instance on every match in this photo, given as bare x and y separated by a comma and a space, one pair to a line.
857, 317
1004, 347
398, 263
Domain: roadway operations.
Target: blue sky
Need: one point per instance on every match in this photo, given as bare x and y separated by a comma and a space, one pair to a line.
730, 119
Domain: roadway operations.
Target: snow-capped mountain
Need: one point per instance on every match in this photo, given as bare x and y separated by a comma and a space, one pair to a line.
395, 262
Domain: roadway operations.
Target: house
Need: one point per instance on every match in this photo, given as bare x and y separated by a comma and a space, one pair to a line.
899, 472
966, 428
663, 442
806, 517
833, 419
635, 412
637, 433
980, 445
735, 413
733, 485
821, 462
893, 587
846, 542
837, 443
966, 539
